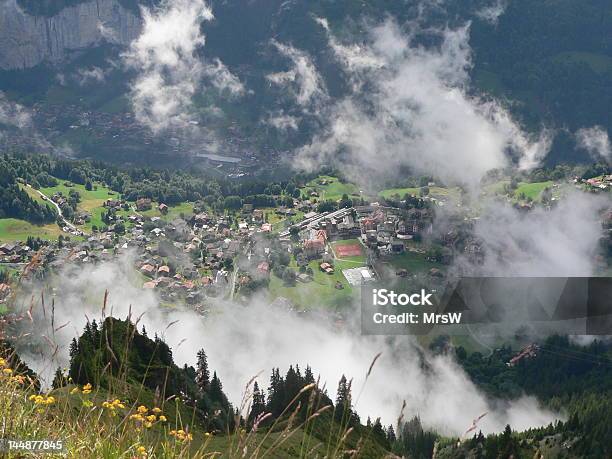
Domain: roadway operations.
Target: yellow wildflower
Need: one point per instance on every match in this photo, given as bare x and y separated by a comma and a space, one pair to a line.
151, 418
181, 435
2, 362
148, 425
42, 400
162, 418
156, 410
142, 409
7, 371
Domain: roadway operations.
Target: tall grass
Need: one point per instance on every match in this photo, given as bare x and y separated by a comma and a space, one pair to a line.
124, 419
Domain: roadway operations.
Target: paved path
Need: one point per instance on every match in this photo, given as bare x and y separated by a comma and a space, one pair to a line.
59, 210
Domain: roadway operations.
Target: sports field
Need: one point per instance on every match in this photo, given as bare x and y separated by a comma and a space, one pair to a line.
348, 250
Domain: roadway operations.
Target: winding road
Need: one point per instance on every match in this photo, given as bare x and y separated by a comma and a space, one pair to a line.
59, 211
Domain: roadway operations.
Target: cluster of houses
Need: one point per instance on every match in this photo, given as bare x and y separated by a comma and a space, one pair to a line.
14, 253
193, 258
527, 352
603, 183
385, 229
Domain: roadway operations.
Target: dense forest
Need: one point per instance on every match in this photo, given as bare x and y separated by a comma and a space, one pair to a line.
566, 376
15, 202
162, 185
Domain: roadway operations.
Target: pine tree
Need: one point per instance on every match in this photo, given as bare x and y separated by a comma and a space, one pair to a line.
378, 429
74, 348
58, 380
202, 372
343, 401
276, 393
293, 384
215, 390
391, 435
259, 404
308, 376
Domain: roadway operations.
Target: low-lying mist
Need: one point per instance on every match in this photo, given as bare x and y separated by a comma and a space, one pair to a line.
244, 341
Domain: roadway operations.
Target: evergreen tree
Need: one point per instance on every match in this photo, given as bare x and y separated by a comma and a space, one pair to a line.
215, 390
391, 435
259, 404
202, 372
308, 376
276, 393
343, 412
59, 380
293, 384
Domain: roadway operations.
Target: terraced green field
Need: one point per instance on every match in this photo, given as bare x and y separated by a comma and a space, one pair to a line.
434, 191
185, 208
413, 262
531, 190
332, 190
12, 229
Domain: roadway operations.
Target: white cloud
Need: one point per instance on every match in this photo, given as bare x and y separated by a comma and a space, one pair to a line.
14, 114
93, 74
242, 342
410, 106
492, 12
108, 33
302, 79
164, 55
283, 122
596, 141
541, 243
169, 71
222, 79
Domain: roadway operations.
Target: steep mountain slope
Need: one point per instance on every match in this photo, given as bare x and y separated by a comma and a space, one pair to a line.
549, 62
27, 40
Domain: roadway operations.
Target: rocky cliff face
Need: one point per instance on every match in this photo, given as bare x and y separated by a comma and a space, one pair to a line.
26, 40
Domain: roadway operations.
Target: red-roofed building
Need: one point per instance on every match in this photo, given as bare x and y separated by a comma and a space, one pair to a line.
315, 246
263, 267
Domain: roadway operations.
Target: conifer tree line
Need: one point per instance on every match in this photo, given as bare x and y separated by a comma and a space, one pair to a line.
162, 185
565, 376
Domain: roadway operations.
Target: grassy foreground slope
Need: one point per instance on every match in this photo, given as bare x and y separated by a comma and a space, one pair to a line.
90, 428
123, 396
